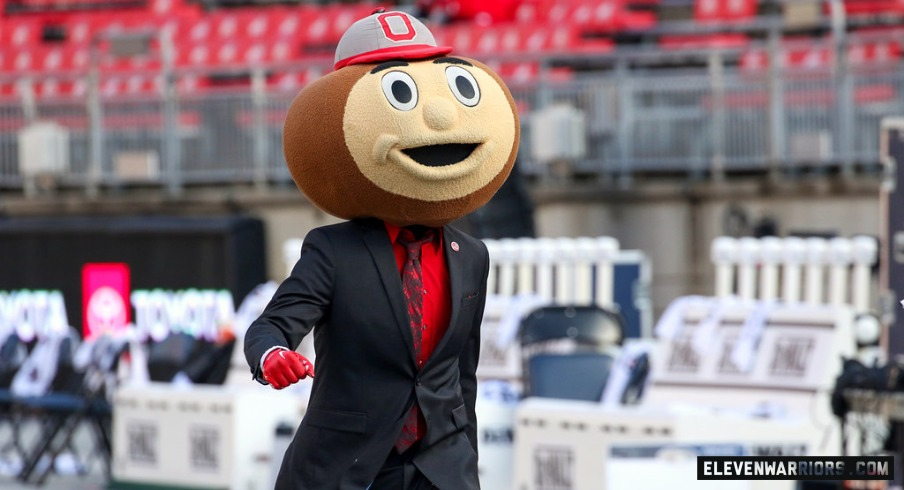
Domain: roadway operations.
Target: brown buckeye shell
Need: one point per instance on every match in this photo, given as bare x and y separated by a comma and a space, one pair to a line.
325, 171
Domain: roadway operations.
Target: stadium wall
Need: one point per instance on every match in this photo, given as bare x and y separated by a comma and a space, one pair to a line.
674, 223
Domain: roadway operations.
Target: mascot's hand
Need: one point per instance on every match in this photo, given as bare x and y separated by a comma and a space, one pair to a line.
284, 367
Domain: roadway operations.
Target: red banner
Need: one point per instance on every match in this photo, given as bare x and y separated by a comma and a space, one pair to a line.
105, 298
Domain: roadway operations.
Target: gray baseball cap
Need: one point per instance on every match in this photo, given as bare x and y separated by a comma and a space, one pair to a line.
385, 36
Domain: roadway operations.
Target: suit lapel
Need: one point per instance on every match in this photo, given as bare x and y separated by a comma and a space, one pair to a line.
380, 249
454, 264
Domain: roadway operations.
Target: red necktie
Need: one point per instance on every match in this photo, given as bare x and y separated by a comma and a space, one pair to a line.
413, 287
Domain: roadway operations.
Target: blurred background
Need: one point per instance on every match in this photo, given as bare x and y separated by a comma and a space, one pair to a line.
700, 251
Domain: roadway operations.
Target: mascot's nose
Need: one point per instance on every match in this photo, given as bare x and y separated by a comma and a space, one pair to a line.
440, 113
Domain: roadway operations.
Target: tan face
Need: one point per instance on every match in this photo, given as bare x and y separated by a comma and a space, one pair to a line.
418, 142
431, 130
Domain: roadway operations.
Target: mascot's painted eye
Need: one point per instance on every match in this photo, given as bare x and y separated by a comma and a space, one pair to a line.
400, 90
463, 85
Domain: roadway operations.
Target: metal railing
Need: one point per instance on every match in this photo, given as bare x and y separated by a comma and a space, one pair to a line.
697, 121
724, 119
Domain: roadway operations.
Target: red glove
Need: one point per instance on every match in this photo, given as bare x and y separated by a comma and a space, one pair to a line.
284, 367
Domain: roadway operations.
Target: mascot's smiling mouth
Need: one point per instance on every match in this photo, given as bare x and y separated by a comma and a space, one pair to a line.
441, 155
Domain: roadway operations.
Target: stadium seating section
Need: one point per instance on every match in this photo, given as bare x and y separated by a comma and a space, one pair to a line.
219, 47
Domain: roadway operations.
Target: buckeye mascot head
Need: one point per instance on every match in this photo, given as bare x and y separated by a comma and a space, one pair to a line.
402, 130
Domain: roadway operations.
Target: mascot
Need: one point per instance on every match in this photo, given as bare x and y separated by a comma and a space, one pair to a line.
400, 140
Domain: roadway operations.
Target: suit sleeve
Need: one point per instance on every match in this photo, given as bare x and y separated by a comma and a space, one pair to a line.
298, 304
471, 355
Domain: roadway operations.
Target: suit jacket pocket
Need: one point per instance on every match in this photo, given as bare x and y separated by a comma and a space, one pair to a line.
336, 419
460, 416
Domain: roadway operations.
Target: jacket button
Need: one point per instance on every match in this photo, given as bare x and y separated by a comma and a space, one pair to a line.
417, 382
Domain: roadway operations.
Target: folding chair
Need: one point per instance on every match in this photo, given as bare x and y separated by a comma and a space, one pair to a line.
575, 376
12, 355
170, 356
211, 363
82, 398
567, 351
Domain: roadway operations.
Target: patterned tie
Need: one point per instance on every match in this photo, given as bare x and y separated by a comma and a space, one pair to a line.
413, 287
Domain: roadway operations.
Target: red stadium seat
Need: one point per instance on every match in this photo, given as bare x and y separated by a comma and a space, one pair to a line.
79, 29
82, 28
859, 8
321, 28
630, 20
515, 38
225, 25
316, 30
506, 38
714, 12
255, 53
144, 84
196, 32
191, 84
708, 41
281, 51
601, 15
559, 38
460, 37
20, 61
7, 91
794, 55
754, 60
59, 58
480, 12
519, 72
131, 85
590, 15
288, 81
528, 11
808, 56
724, 10
17, 33
878, 52
255, 25
288, 25
50, 59
53, 87
194, 55
527, 72
227, 53
164, 7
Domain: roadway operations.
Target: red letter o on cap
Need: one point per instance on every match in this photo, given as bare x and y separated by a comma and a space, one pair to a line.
405, 35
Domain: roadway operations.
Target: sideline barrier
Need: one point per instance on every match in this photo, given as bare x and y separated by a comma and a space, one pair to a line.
770, 359
582, 446
728, 377
207, 437
575, 271
812, 270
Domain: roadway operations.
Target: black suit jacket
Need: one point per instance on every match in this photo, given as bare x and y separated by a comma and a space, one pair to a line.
346, 287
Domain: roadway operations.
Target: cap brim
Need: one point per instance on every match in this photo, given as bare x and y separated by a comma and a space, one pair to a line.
410, 52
